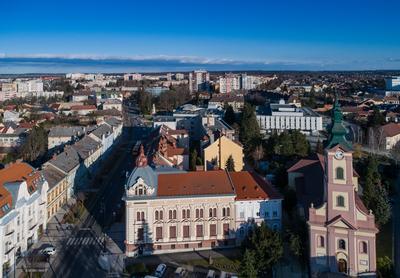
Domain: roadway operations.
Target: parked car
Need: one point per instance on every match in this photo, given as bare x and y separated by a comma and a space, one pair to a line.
180, 272
50, 251
161, 268
211, 273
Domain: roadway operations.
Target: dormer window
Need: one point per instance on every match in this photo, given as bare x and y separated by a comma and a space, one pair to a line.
140, 190
339, 173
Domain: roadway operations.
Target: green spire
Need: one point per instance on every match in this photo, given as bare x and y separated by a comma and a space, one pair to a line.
338, 131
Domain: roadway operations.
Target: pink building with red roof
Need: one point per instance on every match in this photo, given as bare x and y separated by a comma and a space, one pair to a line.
341, 229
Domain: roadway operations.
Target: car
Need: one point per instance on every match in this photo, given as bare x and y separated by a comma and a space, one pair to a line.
160, 270
180, 272
211, 273
49, 250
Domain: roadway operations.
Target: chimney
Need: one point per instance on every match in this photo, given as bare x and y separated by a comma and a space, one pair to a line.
199, 168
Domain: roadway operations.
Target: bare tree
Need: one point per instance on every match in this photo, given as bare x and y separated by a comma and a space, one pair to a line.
376, 138
395, 152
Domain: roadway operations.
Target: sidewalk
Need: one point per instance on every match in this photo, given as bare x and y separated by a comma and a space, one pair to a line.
54, 235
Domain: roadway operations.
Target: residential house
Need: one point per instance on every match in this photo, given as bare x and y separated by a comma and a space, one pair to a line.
221, 100
391, 135
57, 193
217, 152
23, 214
116, 125
83, 110
89, 150
168, 147
104, 135
61, 135
69, 163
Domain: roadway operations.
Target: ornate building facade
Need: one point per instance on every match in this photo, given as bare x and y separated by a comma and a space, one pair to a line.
170, 210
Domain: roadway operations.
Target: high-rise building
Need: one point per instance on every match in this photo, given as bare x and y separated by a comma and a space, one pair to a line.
229, 83
199, 80
249, 82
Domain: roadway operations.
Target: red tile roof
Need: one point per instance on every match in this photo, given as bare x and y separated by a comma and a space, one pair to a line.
391, 129
18, 171
83, 107
194, 183
250, 186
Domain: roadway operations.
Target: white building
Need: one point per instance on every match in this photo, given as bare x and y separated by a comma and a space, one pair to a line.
179, 76
60, 135
132, 76
199, 80
29, 86
229, 83
249, 82
280, 117
23, 211
392, 85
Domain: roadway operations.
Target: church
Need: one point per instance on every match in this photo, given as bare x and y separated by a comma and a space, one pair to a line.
341, 229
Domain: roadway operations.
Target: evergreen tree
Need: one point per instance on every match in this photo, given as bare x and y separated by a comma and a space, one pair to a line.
295, 244
376, 118
319, 148
229, 116
300, 143
230, 164
268, 247
247, 265
193, 159
249, 129
286, 144
371, 179
381, 206
375, 195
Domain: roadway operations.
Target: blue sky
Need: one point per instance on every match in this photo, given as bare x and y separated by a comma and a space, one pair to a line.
145, 35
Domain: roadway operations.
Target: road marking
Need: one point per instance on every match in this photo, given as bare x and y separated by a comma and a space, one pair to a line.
70, 240
85, 240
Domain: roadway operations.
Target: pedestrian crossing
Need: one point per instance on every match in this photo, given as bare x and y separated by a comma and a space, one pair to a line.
85, 240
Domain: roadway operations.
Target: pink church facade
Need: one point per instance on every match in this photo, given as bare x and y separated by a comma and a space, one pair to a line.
342, 230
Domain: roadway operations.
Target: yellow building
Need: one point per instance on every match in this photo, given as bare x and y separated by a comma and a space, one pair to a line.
57, 192
218, 152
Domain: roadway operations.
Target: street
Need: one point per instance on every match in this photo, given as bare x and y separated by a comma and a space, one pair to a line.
79, 252
78, 246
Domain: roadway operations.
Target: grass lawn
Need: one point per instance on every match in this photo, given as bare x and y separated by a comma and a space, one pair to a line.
222, 263
384, 241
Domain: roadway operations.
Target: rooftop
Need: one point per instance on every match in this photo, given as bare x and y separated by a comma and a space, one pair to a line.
16, 172
194, 183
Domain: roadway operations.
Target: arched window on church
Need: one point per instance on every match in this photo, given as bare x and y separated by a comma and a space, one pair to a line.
363, 247
342, 244
340, 201
339, 173
321, 241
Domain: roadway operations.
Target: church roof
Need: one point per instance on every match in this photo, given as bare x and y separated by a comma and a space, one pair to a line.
338, 130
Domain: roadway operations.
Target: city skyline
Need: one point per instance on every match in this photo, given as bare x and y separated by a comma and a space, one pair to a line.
158, 36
